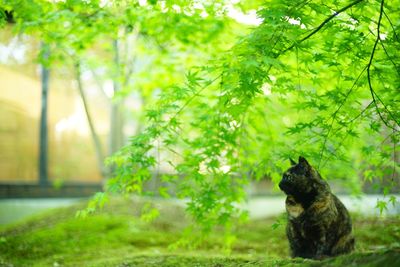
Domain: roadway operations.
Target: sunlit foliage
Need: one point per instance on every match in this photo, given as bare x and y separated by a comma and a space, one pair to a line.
313, 79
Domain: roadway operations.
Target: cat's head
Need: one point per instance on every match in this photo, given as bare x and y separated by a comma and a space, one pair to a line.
300, 178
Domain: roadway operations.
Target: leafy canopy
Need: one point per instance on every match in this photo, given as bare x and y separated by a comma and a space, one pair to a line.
312, 79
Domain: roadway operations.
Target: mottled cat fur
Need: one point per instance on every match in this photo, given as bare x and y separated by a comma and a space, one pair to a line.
319, 225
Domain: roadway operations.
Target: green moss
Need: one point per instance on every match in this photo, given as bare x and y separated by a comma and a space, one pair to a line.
117, 238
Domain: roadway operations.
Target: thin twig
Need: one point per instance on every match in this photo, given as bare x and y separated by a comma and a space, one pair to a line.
390, 58
354, 119
344, 138
391, 24
195, 95
385, 106
281, 32
361, 113
336, 112
388, 111
373, 93
322, 24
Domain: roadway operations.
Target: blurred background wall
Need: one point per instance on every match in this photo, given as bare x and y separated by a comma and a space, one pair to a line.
71, 152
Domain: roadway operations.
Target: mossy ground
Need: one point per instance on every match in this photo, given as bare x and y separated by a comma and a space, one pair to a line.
116, 237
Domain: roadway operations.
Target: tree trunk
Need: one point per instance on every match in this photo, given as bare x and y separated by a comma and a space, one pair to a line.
43, 135
116, 120
95, 137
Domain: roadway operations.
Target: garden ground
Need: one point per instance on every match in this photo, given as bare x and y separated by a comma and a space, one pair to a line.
117, 237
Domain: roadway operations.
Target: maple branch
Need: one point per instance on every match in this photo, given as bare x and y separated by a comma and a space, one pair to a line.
374, 95
323, 24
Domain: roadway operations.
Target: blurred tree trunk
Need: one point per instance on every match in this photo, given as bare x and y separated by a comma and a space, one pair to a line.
96, 140
43, 135
116, 118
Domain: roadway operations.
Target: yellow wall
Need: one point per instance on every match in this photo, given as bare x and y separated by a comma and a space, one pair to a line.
71, 152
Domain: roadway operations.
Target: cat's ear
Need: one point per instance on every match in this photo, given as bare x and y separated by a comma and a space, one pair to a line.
292, 162
303, 162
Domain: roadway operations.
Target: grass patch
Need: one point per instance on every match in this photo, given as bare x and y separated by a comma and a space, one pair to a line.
116, 237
